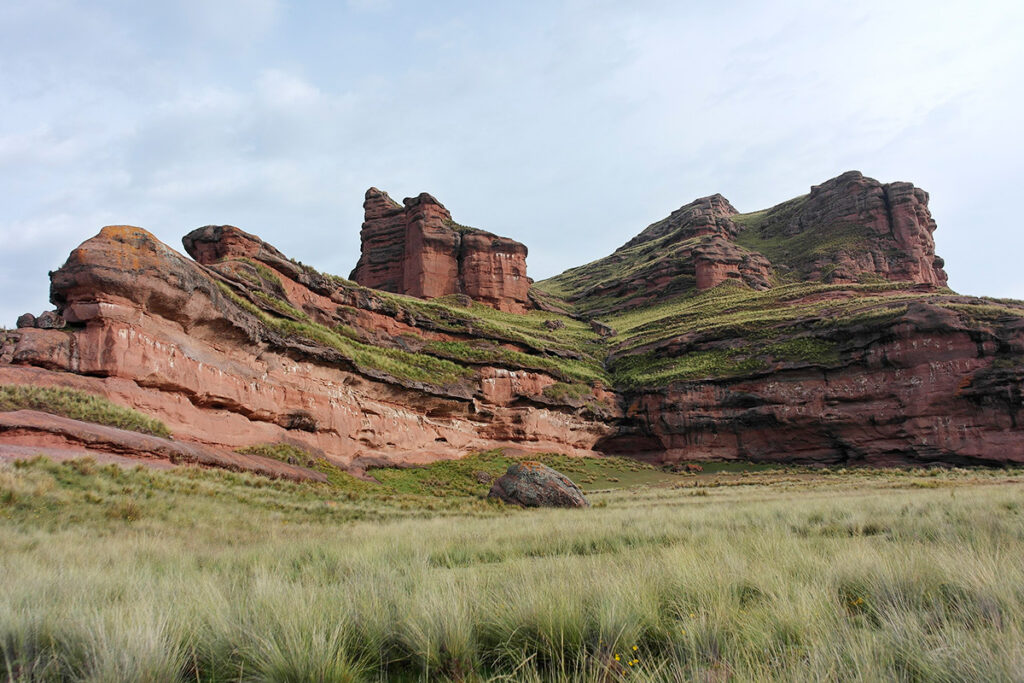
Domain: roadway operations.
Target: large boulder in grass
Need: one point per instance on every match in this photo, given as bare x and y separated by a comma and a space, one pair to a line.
531, 484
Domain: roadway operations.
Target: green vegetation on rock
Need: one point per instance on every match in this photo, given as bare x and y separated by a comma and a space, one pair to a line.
401, 364
78, 405
798, 252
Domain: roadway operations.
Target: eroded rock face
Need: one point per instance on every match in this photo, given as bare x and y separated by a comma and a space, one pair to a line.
693, 247
53, 431
167, 336
870, 229
924, 389
417, 249
531, 484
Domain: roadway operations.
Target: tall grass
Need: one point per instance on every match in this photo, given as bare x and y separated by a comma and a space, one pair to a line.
840, 578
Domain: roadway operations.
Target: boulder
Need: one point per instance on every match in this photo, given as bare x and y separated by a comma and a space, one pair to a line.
50, 320
531, 484
26, 320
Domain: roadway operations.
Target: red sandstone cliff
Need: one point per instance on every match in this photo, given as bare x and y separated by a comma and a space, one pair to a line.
815, 331
417, 249
190, 343
930, 385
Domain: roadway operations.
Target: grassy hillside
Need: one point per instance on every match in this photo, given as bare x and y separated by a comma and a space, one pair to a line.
552, 343
732, 330
777, 575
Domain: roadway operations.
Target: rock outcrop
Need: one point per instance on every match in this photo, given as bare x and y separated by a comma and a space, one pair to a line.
851, 228
60, 433
694, 247
531, 484
817, 331
246, 347
928, 386
417, 249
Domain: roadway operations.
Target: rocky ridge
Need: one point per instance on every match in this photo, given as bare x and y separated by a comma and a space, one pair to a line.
819, 330
243, 346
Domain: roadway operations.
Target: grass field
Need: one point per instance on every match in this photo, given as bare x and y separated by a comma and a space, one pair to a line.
736, 574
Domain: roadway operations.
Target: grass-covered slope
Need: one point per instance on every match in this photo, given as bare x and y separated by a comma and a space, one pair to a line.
461, 335
836, 277
732, 331
78, 405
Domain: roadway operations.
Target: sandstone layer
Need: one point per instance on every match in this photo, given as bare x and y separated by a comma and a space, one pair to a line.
851, 228
417, 249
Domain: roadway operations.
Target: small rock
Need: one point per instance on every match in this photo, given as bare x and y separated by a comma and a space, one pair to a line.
26, 320
50, 320
554, 324
531, 484
602, 329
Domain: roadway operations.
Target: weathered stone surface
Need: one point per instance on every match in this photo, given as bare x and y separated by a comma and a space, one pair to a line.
693, 247
874, 229
26, 320
717, 260
50, 320
417, 249
213, 243
531, 484
155, 331
923, 389
173, 338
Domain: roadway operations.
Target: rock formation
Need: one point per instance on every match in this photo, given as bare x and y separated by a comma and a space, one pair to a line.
928, 385
417, 249
246, 347
853, 227
61, 435
850, 352
693, 247
815, 331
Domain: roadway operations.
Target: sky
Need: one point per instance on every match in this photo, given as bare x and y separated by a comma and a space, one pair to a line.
569, 125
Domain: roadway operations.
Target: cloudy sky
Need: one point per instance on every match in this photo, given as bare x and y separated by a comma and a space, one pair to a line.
569, 125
